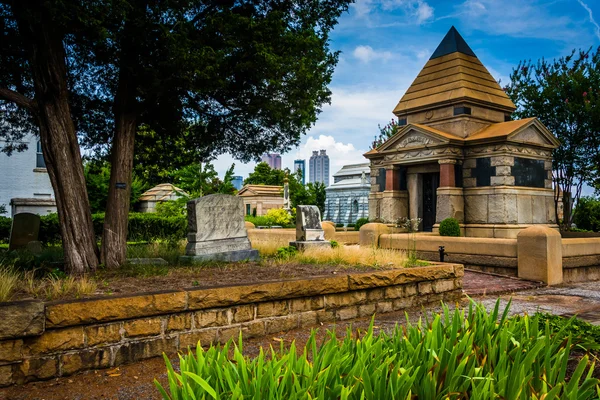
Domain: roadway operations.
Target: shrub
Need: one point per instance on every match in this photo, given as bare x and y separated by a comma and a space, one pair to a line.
5, 224
142, 227
286, 252
587, 214
279, 216
334, 244
360, 222
449, 227
339, 225
468, 354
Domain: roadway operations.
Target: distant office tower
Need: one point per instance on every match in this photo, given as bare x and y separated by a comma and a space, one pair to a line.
274, 160
319, 167
300, 165
238, 182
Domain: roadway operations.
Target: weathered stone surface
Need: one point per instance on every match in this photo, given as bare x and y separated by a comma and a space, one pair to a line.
384, 307
540, 255
443, 285
367, 310
11, 350
272, 309
6, 375
204, 336
281, 324
215, 297
345, 299
142, 327
135, 351
524, 209
25, 228
503, 160
55, 340
503, 170
102, 334
308, 224
399, 276
476, 209
346, 313
22, 318
179, 322
35, 369
84, 360
229, 333
243, 313
116, 308
306, 304
205, 319
253, 329
425, 288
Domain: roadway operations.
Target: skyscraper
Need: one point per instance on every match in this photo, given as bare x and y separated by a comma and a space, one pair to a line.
319, 167
300, 165
274, 160
237, 182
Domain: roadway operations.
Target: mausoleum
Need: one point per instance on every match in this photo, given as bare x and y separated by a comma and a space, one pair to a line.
347, 198
458, 153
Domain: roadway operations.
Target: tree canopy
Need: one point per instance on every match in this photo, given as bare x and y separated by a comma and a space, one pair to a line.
564, 95
211, 76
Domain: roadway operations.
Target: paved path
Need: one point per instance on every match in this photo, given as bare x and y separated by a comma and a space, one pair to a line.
481, 284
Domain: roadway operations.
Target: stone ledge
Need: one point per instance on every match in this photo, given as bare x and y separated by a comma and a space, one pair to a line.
21, 319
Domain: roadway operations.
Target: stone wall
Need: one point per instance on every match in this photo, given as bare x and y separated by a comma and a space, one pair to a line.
45, 340
283, 237
581, 259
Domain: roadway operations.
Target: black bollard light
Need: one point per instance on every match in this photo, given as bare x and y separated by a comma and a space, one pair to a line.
442, 253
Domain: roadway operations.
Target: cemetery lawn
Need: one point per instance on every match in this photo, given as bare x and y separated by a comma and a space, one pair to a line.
26, 276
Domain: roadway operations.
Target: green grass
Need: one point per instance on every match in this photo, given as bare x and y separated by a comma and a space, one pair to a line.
464, 354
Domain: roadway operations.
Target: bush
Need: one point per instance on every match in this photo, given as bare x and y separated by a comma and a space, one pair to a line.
334, 244
279, 216
5, 224
587, 214
469, 354
360, 222
339, 225
287, 252
449, 227
142, 227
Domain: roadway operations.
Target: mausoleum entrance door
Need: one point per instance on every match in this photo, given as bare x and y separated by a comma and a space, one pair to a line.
431, 181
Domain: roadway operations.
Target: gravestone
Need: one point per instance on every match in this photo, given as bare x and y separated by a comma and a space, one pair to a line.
25, 228
309, 232
216, 230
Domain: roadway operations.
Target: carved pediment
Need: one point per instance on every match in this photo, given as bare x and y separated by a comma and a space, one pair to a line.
412, 136
531, 134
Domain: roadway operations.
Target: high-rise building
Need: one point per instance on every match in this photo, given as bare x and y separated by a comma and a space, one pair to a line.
319, 167
300, 165
238, 182
274, 160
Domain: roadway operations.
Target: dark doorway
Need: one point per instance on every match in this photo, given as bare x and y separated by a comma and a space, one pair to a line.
430, 184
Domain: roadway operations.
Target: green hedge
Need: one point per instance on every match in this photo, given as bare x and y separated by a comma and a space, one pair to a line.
449, 227
360, 222
143, 227
587, 214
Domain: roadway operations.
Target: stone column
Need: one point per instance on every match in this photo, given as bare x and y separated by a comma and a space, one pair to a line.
450, 199
447, 178
415, 195
394, 202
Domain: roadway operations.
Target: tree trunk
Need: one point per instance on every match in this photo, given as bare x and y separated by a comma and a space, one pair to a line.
58, 136
114, 236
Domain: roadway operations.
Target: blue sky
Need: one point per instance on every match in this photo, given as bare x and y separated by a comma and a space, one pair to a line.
384, 45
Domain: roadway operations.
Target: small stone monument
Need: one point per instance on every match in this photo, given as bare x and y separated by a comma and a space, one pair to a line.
216, 230
25, 229
309, 232
286, 194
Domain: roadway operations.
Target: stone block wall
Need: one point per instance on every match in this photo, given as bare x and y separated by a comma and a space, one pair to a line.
46, 340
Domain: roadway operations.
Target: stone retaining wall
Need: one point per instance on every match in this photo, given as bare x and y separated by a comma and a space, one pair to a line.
283, 237
45, 340
581, 259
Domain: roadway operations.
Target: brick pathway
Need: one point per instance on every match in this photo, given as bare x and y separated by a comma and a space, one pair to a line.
481, 284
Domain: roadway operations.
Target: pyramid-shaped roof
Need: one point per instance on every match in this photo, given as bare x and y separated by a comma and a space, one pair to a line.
452, 74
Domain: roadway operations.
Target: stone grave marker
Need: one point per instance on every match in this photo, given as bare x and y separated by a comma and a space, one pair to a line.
309, 232
25, 229
216, 230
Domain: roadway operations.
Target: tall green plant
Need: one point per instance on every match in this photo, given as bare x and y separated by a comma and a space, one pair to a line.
464, 354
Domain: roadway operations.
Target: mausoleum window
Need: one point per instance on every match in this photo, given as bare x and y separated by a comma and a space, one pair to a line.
484, 171
528, 172
381, 179
355, 207
401, 121
462, 110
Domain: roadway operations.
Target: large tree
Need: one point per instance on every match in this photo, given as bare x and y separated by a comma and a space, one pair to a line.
564, 95
225, 76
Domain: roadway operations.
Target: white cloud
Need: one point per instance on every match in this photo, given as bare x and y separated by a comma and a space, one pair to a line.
419, 10
366, 54
589, 10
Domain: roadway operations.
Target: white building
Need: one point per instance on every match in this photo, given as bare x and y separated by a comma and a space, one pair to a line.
347, 198
24, 182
